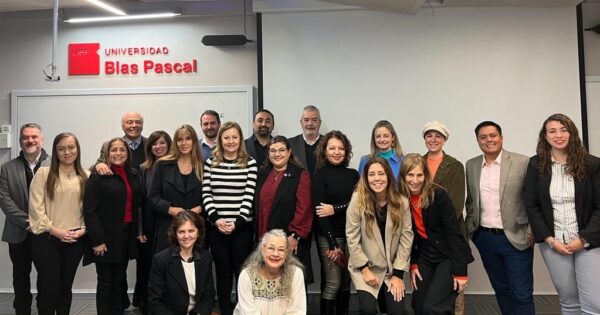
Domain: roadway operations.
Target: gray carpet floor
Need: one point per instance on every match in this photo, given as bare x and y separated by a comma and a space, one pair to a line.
84, 304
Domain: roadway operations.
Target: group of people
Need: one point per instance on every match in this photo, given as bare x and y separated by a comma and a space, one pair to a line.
254, 207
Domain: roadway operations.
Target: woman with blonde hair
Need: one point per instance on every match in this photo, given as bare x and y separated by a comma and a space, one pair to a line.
562, 194
56, 220
176, 183
379, 235
228, 195
271, 282
384, 144
440, 254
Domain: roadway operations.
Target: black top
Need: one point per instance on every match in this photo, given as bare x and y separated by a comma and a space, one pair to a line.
311, 158
138, 156
103, 210
334, 185
259, 152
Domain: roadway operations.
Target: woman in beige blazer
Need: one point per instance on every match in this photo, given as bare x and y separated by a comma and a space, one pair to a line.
379, 234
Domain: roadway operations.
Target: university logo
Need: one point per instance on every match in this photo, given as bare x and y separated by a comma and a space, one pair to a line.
84, 59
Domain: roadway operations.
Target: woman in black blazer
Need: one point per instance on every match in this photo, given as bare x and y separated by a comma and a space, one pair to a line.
562, 195
110, 211
157, 146
283, 201
440, 254
177, 183
181, 279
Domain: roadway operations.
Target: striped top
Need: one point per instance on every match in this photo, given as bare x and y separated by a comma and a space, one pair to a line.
228, 191
562, 195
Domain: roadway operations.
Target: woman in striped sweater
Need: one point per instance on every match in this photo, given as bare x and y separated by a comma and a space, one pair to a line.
228, 194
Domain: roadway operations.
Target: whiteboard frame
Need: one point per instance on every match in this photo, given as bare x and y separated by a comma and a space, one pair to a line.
17, 95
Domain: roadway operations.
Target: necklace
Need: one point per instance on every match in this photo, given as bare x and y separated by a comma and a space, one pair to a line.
69, 172
277, 173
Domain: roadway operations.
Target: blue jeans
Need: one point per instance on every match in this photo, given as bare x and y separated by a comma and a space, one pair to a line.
510, 272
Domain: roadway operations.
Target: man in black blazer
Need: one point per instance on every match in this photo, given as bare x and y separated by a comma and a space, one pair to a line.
256, 145
133, 125
15, 178
304, 145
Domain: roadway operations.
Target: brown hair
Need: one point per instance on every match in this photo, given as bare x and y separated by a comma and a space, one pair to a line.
180, 219
367, 201
576, 152
52, 180
111, 142
321, 151
152, 139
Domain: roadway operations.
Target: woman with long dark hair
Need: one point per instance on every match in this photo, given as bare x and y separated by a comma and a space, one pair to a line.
157, 146
379, 235
440, 254
56, 220
283, 201
228, 194
562, 195
176, 183
181, 279
110, 211
332, 189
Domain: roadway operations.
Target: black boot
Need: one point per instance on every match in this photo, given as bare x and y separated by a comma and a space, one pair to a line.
327, 307
342, 303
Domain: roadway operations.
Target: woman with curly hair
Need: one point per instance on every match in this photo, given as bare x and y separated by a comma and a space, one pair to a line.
379, 234
332, 188
271, 282
562, 195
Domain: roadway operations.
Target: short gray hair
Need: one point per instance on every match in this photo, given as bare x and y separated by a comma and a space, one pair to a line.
29, 125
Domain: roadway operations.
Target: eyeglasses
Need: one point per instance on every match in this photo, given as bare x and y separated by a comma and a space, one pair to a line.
273, 250
275, 151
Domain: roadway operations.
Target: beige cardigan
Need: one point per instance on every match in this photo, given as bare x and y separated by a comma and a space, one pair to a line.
382, 260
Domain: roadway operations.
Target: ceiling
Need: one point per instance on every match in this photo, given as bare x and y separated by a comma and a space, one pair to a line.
236, 7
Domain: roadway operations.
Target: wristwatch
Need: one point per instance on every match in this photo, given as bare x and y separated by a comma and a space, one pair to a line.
296, 236
551, 243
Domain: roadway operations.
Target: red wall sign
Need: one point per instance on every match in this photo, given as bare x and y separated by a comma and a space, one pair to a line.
84, 59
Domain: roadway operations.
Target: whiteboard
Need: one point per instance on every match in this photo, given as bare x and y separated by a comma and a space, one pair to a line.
94, 115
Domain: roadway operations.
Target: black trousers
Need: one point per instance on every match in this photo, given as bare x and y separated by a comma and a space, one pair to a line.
435, 293
229, 253
367, 304
142, 273
20, 256
56, 263
111, 286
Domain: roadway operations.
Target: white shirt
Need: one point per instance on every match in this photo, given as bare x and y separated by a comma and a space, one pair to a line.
190, 278
562, 196
489, 194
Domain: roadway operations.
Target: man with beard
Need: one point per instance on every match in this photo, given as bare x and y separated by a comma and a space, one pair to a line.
210, 122
15, 178
304, 145
264, 122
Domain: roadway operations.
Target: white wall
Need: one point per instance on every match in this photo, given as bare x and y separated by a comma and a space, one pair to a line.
26, 49
461, 66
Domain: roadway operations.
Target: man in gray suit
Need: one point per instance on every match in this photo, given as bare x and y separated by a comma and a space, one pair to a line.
15, 178
497, 220
304, 145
